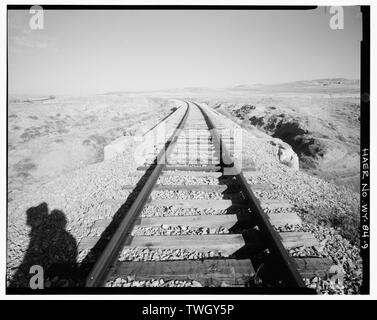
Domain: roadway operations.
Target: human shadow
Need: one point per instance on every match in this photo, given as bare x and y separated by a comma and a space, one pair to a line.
51, 246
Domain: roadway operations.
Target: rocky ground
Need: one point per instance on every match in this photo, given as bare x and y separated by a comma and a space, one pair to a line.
52, 219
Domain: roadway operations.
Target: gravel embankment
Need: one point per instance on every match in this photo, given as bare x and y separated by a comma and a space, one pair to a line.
76, 201
330, 212
48, 221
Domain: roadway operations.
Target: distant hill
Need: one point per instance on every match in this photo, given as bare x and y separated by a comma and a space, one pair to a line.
319, 83
322, 82
301, 83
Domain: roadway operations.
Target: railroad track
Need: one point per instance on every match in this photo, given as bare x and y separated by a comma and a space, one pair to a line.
196, 221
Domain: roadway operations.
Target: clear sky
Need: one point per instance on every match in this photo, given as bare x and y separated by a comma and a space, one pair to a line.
84, 52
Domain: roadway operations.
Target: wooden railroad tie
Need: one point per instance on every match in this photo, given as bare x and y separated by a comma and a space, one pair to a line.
227, 244
212, 272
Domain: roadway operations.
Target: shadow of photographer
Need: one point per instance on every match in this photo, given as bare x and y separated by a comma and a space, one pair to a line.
51, 247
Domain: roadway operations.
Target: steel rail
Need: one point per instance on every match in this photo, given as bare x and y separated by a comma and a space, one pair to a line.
97, 276
276, 247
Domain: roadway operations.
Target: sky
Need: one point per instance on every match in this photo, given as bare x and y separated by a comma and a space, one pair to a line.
94, 51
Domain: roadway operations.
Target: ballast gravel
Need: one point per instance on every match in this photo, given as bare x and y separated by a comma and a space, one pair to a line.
167, 211
131, 282
146, 254
186, 180
186, 195
166, 230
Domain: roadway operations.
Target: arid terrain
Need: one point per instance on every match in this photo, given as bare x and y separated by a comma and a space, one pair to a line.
50, 137
303, 137
319, 119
